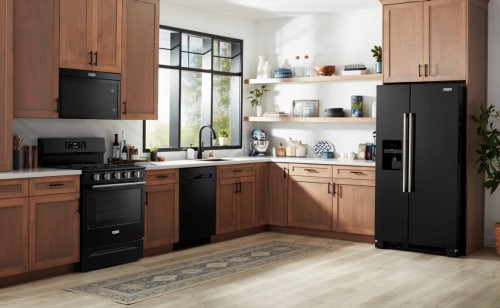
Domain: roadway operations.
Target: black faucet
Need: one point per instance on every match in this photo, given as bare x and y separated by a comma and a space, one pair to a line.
200, 143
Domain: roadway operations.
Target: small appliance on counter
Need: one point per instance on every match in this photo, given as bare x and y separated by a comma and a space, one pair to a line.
259, 143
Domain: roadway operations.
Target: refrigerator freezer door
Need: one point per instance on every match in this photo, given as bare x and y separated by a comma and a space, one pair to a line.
391, 210
435, 204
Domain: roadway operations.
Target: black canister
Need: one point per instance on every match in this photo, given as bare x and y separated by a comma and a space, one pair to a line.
357, 106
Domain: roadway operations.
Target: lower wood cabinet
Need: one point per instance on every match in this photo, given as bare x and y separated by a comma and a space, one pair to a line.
235, 198
310, 197
261, 193
354, 210
161, 214
278, 194
39, 223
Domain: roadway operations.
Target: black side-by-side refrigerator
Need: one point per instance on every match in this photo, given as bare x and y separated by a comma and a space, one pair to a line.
420, 167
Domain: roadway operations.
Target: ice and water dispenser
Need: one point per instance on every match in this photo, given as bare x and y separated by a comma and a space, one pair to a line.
392, 153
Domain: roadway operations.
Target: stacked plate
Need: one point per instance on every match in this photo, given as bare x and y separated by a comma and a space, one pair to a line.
334, 112
283, 73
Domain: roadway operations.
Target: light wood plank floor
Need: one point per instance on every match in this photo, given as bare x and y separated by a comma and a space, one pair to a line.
345, 275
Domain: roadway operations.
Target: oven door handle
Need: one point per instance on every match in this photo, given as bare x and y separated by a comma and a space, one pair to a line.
118, 185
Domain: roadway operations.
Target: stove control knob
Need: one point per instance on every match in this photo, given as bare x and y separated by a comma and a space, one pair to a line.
116, 175
96, 177
137, 174
107, 176
126, 175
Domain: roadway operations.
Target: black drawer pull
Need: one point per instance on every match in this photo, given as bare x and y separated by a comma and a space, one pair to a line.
357, 172
162, 176
56, 184
237, 170
311, 170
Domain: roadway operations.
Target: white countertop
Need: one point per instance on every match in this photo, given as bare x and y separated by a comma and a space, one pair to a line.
36, 173
44, 172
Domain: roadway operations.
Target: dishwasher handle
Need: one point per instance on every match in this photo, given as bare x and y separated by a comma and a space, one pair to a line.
198, 177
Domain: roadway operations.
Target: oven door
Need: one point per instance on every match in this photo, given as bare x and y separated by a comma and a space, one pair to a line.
112, 213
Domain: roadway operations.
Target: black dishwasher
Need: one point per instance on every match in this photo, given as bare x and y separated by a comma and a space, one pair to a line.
196, 206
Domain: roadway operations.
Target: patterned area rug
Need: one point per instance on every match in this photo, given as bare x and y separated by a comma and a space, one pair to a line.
133, 288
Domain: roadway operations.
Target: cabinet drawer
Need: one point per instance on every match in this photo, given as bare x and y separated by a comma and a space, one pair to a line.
233, 171
159, 177
355, 173
13, 188
323, 171
54, 185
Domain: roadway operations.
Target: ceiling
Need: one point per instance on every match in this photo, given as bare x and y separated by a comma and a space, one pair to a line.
266, 9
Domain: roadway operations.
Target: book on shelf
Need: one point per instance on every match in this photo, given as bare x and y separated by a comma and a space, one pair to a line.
275, 114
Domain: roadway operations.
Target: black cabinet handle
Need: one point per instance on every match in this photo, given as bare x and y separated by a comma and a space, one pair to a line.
311, 170
285, 170
95, 63
56, 184
165, 176
357, 172
146, 202
425, 70
237, 170
90, 60
419, 70
125, 107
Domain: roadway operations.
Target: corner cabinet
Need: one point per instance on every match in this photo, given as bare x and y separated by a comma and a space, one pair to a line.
36, 58
139, 86
6, 86
91, 35
278, 194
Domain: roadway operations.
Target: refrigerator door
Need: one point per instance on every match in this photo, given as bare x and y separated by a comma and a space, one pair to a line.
391, 203
435, 207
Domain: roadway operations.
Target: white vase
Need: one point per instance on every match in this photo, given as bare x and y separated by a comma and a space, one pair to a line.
259, 111
266, 70
260, 67
223, 141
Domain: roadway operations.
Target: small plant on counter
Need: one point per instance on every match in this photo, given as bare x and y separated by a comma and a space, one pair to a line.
377, 53
223, 132
256, 95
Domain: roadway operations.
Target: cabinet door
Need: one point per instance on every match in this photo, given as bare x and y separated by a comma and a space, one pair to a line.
403, 42
226, 205
6, 85
310, 202
245, 204
139, 92
261, 193
36, 58
355, 208
445, 39
90, 34
278, 194
161, 215
13, 236
54, 230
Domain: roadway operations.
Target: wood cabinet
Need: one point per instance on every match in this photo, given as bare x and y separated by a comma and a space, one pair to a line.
161, 223
354, 207
278, 194
261, 193
36, 58
139, 85
13, 227
91, 35
6, 87
235, 198
310, 197
425, 40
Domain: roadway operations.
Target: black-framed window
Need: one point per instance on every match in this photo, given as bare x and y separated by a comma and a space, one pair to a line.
200, 82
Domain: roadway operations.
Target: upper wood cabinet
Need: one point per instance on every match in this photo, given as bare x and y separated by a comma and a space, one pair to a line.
141, 27
6, 85
424, 40
91, 35
36, 58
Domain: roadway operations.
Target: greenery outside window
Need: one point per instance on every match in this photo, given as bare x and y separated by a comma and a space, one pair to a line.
200, 82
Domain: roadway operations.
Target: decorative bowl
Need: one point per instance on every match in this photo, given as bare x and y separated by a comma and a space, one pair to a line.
326, 70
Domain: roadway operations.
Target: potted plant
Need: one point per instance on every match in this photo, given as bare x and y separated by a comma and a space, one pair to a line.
377, 54
153, 153
489, 154
223, 137
255, 98
356, 106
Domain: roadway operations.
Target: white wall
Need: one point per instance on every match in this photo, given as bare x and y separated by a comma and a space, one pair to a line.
492, 202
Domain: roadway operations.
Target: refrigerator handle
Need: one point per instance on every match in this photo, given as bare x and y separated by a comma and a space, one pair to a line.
405, 152
411, 151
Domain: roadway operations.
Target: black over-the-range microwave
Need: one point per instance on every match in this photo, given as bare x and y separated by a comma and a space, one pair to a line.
88, 94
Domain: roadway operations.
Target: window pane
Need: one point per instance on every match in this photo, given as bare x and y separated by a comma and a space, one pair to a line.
169, 47
196, 89
227, 57
226, 106
158, 131
196, 52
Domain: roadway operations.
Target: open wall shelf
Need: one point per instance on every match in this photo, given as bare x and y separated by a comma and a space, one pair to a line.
314, 79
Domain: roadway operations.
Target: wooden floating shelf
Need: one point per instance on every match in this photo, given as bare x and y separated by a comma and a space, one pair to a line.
314, 79
311, 119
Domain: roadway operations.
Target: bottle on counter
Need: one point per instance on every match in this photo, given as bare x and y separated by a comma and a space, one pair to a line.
116, 148
124, 151
190, 152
